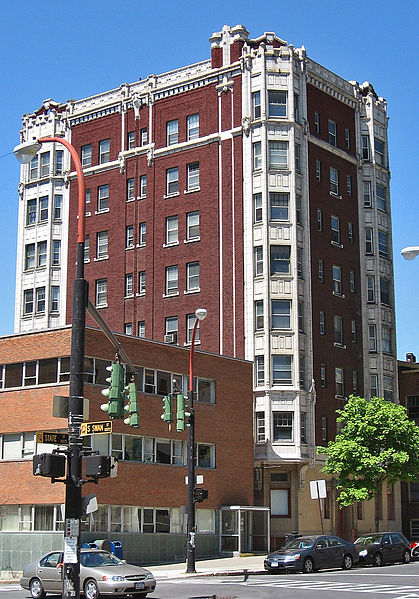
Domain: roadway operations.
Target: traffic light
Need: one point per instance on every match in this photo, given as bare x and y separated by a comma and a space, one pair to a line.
116, 391
200, 494
167, 415
182, 416
132, 407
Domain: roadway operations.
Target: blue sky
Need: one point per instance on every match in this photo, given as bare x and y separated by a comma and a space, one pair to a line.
66, 50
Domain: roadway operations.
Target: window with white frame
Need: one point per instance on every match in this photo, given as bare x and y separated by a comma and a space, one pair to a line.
172, 180
367, 194
303, 427
349, 185
31, 212
172, 132
40, 300
282, 369
33, 168
277, 103
102, 245
372, 337
141, 328
332, 132
334, 181
27, 302
354, 381
128, 328
192, 126
370, 289
279, 206
278, 154
87, 197
143, 186
130, 140
298, 210
192, 226
172, 280
321, 270
55, 298
257, 207
383, 244
379, 151
57, 206
318, 170
335, 229
366, 154
280, 259
388, 388
317, 122
141, 282
322, 322
323, 375
87, 248
300, 262
257, 155
44, 166
339, 382
324, 427
258, 253
104, 151
143, 136
193, 176
41, 253
29, 256
283, 426
260, 427
338, 329
43, 209
319, 218
101, 293
386, 335
256, 105
190, 323
281, 314
300, 307
59, 162
56, 252
172, 228
142, 234
369, 241
86, 155
259, 315
129, 236
192, 276
171, 327
373, 385
351, 232
259, 370
337, 279
297, 117
130, 189
298, 158
129, 288
103, 198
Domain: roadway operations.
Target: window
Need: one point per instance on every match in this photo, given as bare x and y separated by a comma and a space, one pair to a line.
260, 370
338, 330
319, 219
59, 158
353, 331
127, 331
172, 129
414, 491
385, 291
43, 209
297, 108
349, 185
101, 293
129, 289
322, 322
259, 315
86, 155
130, 189
317, 122
300, 262
323, 375
192, 226
258, 251
260, 427
386, 339
142, 234
104, 147
87, 196
171, 326
332, 132
374, 385
282, 426
55, 298
141, 328
33, 168
190, 323
192, 276
281, 369
303, 427
29, 256
129, 236
279, 206
172, 281
103, 198
141, 282
334, 181
298, 158
347, 139
56, 251
335, 229
143, 186
354, 381
58, 202
172, 180
256, 105
40, 299
277, 103
351, 281
143, 136
171, 230
278, 154
281, 314
383, 244
101, 245
339, 382
280, 259
337, 279
324, 431
369, 241
280, 502
370, 289
131, 140
366, 155
41, 251
257, 155
301, 317
321, 270
193, 176
298, 207
350, 232
380, 193
44, 164
372, 337
388, 388
28, 302
367, 194
318, 170
31, 212
379, 151
192, 126
257, 207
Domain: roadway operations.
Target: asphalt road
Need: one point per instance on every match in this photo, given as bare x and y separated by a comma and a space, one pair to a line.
390, 582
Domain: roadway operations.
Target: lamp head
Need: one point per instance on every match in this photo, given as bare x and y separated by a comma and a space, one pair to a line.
410, 252
201, 313
26, 151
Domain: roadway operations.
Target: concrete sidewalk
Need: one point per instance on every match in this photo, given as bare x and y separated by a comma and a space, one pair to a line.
219, 566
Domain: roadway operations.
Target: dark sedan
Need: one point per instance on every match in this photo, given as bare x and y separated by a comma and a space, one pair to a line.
378, 548
312, 553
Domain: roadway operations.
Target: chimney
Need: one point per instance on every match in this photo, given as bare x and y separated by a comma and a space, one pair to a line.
411, 358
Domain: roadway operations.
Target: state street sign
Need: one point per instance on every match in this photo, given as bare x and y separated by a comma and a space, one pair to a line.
96, 428
53, 438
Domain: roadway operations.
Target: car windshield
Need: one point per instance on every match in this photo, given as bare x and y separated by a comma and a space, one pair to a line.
95, 559
302, 543
368, 539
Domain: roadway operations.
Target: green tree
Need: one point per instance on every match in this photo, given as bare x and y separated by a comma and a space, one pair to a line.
377, 442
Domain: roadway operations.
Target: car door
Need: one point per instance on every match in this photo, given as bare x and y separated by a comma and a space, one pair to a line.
398, 546
322, 554
49, 572
387, 548
337, 550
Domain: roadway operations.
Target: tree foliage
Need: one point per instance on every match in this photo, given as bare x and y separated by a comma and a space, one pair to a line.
377, 442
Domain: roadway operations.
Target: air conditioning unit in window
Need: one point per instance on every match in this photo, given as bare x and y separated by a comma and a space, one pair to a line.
170, 338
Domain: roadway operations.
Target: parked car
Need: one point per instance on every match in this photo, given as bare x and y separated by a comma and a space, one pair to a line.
414, 549
308, 553
101, 574
378, 548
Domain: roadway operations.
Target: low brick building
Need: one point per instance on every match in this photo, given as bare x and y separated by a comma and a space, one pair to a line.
149, 495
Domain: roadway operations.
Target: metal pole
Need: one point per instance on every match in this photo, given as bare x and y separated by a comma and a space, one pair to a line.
191, 528
71, 561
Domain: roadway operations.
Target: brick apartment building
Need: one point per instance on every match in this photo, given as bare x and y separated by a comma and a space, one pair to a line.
255, 184
149, 491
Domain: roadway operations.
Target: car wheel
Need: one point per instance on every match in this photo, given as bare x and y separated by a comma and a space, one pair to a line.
36, 589
347, 562
308, 566
91, 590
377, 560
406, 557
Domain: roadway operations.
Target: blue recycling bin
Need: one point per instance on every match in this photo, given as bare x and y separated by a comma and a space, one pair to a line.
116, 549
89, 546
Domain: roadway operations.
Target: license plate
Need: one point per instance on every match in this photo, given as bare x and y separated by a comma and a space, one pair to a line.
139, 585
274, 564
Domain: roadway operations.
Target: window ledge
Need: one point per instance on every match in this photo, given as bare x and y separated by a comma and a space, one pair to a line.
335, 195
188, 344
88, 214
130, 200
171, 195
131, 295
165, 295
140, 245
141, 197
336, 294
192, 190
101, 306
100, 258
336, 244
170, 245
87, 261
192, 240
341, 345
340, 397
130, 247
142, 294
190, 291
102, 211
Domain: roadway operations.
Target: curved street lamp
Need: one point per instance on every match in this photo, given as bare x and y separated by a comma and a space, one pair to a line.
410, 252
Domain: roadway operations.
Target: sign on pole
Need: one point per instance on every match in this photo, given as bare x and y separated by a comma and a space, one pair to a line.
53, 438
96, 428
318, 489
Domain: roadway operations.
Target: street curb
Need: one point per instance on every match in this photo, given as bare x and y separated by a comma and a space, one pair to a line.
243, 572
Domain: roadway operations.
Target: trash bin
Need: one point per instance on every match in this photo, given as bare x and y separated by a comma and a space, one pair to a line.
103, 544
116, 548
89, 546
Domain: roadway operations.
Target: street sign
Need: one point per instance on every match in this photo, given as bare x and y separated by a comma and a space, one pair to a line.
199, 479
96, 428
318, 489
53, 438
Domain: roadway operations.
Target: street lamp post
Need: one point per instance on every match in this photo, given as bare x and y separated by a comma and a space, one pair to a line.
71, 566
200, 314
411, 252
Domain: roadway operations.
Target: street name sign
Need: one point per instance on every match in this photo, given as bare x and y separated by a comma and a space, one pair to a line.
96, 428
